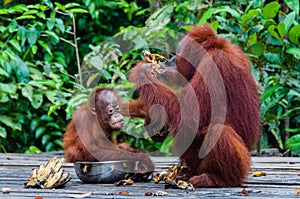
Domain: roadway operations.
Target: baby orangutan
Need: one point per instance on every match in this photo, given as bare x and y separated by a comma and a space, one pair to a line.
89, 135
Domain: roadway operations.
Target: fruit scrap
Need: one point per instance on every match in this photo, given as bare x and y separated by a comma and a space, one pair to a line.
258, 174
169, 176
5, 190
296, 191
124, 182
155, 59
48, 176
180, 184
160, 193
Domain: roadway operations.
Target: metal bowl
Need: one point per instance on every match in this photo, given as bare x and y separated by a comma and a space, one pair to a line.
104, 172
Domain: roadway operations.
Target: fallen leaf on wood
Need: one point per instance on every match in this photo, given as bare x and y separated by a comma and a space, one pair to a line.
245, 191
123, 192
84, 195
296, 191
148, 194
258, 174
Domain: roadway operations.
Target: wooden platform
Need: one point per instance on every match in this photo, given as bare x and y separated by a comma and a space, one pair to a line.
282, 177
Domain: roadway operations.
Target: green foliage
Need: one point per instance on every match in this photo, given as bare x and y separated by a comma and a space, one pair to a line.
33, 74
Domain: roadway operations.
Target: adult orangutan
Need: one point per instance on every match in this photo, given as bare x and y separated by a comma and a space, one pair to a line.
89, 135
207, 99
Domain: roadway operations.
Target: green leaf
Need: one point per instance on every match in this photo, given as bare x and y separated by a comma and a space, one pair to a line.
58, 142
39, 132
270, 10
4, 98
49, 146
34, 49
13, 26
47, 118
288, 113
45, 46
20, 8
41, 15
78, 10
60, 24
294, 5
3, 11
295, 130
206, 15
59, 6
30, 12
8, 88
27, 91
15, 44
25, 17
21, 70
22, 34
272, 57
52, 34
271, 29
294, 34
37, 100
281, 29
3, 133
161, 17
56, 133
51, 95
288, 21
32, 35
167, 143
54, 106
293, 142
231, 11
294, 51
71, 5
53, 125
269, 92
119, 73
45, 139
50, 23
8, 121
106, 74
32, 150
249, 16
34, 124
3, 72
258, 49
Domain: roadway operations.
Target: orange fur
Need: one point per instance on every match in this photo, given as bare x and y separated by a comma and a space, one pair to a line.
201, 53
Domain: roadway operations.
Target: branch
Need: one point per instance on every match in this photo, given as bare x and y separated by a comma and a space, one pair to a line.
67, 41
76, 50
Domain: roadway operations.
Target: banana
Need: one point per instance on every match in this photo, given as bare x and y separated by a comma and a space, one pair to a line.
48, 176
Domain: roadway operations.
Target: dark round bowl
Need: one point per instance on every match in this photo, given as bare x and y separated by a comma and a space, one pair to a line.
104, 172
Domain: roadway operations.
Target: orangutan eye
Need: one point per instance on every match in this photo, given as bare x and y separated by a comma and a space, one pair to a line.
117, 108
110, 111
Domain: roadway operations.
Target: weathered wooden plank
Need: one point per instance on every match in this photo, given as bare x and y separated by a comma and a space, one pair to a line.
280, 181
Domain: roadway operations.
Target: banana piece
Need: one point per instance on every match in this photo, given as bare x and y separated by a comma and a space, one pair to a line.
48, 176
